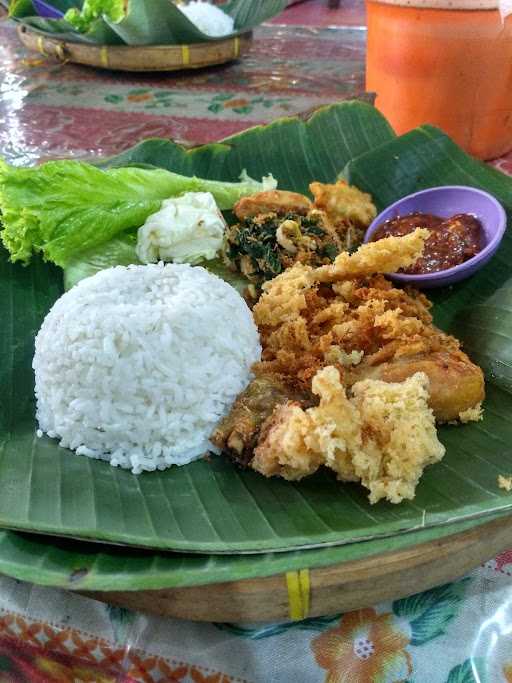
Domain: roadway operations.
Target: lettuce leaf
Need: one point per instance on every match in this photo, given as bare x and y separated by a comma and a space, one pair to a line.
62, 208
233, 278
119, 251
82, 19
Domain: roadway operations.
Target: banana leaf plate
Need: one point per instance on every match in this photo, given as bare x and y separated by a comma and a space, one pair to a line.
236, 588
134, 22
138, 58
149, 35
214, 507
78, 565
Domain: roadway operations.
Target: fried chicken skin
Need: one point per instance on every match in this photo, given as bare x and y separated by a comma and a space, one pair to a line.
306, 317
238, 433
383, 435
349, 209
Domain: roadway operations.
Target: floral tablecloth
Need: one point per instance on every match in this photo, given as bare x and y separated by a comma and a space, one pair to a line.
49, 109
459, 633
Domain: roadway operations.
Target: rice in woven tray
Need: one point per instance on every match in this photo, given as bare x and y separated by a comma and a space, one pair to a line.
136, 365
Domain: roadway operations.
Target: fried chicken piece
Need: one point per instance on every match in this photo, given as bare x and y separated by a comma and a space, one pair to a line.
306, 315
456, 385
294, 442
370, 352
237, 434
282, 449
280, 202
350, 210
383, 436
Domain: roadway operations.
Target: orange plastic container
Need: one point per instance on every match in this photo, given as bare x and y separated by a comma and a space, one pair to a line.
448, 67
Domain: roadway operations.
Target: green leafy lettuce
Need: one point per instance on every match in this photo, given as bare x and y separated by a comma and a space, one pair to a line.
119, 251
63, 208
82, 19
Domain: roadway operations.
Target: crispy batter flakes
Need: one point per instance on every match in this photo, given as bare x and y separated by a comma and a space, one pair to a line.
307, 316
343, 202
362, 372
383, 436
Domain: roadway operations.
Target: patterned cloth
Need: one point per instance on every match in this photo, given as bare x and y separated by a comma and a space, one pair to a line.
459, 633
49, 109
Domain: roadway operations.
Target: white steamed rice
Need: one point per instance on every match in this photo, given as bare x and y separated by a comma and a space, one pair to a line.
208, 18
136, 365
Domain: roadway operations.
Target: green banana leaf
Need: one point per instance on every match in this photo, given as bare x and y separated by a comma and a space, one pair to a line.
485, 329
80, 566
296, 150
120, 251
147, 22
214, 507
23, 12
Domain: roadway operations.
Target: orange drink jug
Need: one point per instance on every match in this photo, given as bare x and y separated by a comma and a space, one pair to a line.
444, 62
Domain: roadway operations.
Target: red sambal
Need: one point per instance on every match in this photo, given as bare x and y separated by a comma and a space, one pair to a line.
452, 241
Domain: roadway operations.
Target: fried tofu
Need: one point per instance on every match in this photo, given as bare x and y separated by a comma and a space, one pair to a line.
279, 202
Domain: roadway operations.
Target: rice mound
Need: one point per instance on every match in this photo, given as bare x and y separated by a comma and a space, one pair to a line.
136, 365
209, 19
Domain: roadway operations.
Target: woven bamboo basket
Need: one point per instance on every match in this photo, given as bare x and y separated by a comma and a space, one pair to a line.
138, 58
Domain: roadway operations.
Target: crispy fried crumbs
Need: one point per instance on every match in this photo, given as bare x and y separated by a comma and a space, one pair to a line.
309, 318
505, 482
383, 435
474, 414
361, 375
